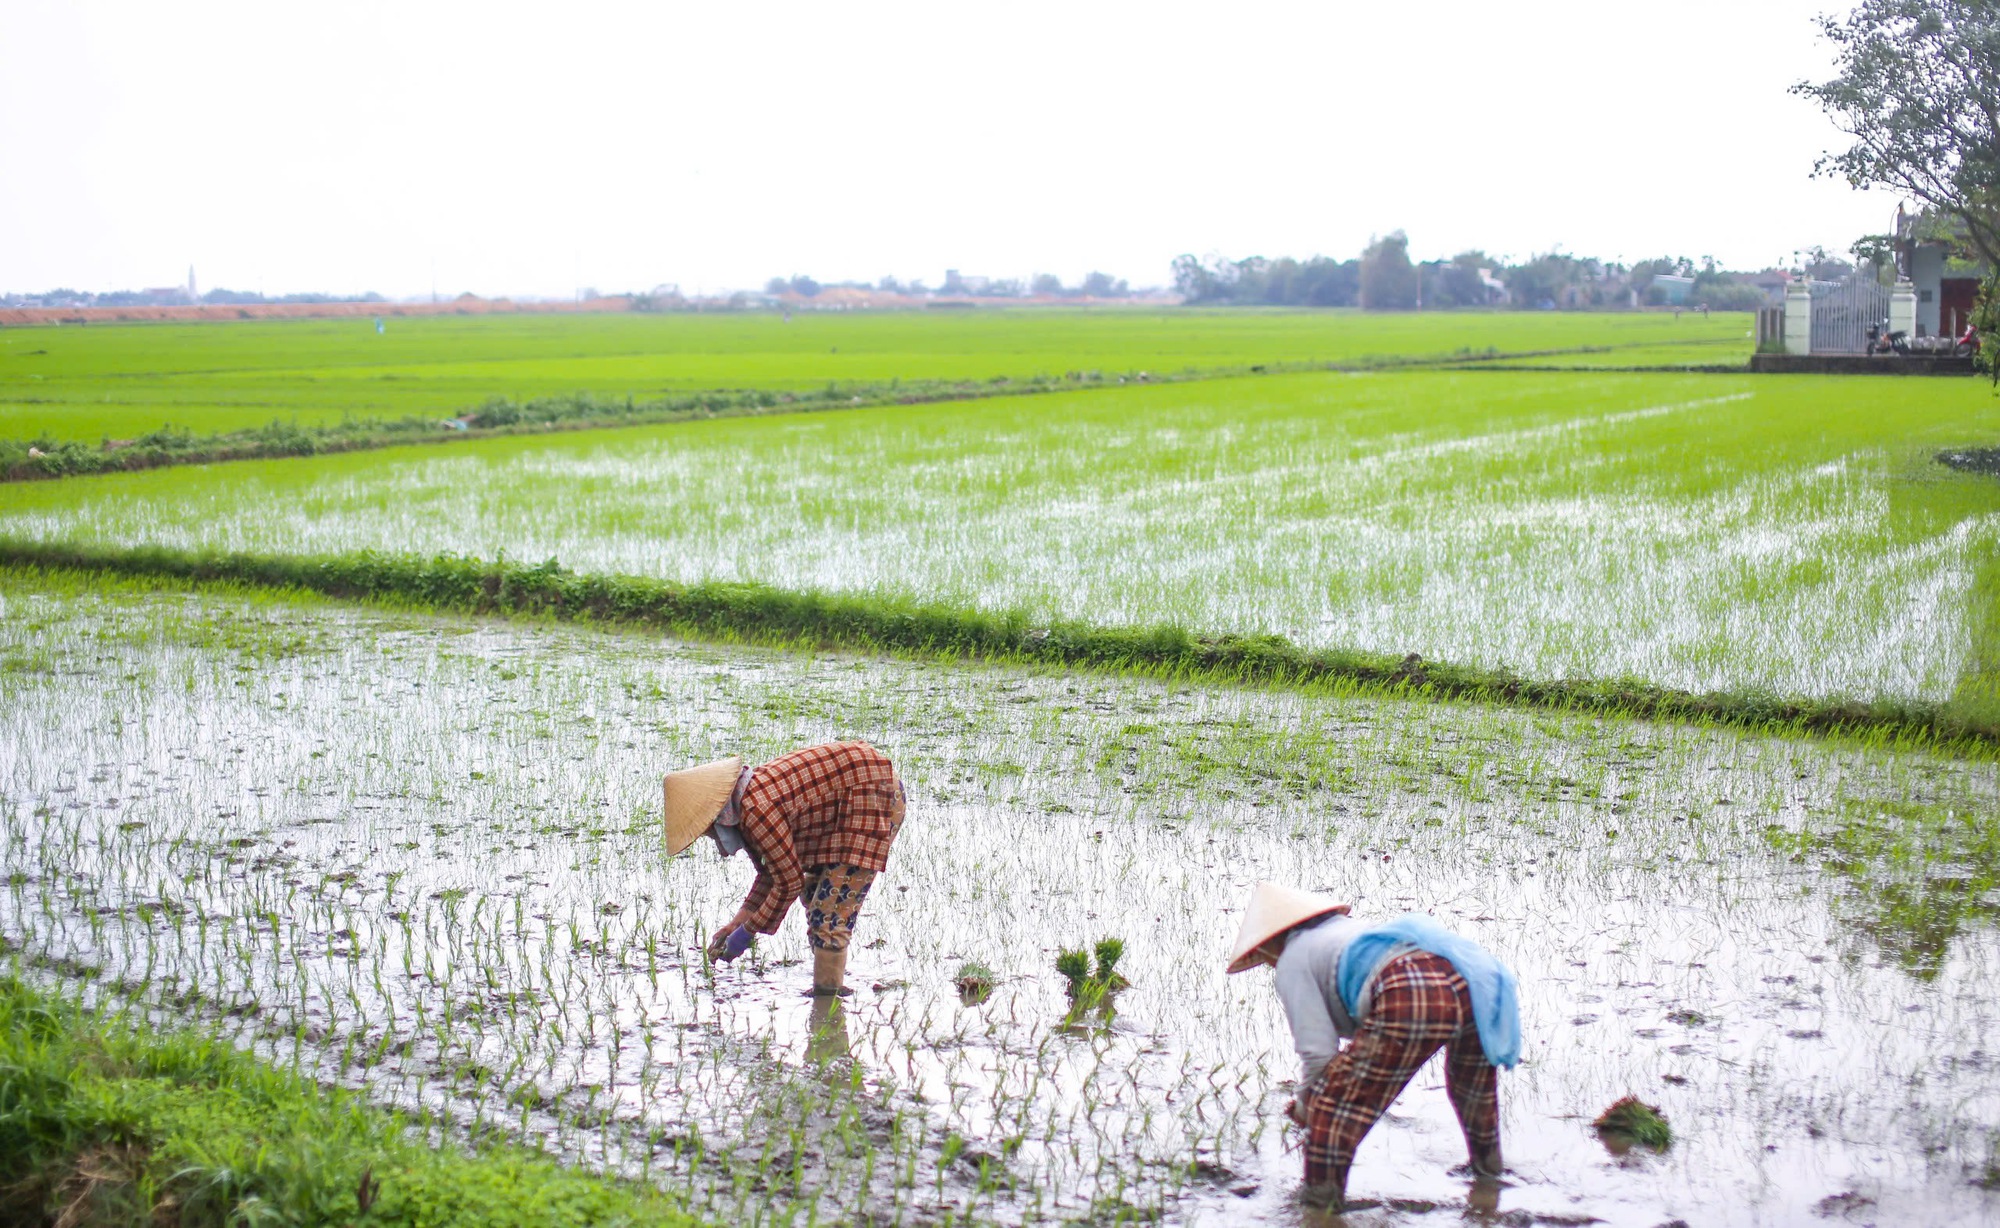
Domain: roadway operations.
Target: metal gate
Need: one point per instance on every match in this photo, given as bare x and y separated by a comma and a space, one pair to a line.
1843, 310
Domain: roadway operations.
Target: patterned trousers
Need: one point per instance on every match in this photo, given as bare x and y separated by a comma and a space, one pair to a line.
1421, 1005
834, 894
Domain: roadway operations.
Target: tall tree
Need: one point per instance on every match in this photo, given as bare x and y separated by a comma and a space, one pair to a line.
1388, 280
1918, 89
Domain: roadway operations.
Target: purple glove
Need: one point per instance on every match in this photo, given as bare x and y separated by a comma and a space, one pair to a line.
734, 945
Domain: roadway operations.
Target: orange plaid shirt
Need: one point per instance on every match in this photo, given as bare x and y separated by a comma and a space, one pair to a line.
824, 805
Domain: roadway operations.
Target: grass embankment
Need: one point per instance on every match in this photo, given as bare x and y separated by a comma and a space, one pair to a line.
758, 614
107, 1121
121, 382
28, 460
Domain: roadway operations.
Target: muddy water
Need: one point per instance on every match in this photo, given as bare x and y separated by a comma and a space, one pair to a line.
421, 856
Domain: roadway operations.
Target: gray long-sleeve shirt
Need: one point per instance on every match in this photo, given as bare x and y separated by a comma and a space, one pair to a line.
1308, 987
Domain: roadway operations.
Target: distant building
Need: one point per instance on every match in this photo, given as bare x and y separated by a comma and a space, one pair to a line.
1673, 290
1772, 282
1928, 256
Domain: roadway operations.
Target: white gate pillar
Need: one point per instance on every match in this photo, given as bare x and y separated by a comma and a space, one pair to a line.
1903, 307
1798, 318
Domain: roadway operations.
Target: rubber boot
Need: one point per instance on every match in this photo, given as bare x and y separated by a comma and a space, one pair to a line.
1331, 1194
829, 974
1486, 1162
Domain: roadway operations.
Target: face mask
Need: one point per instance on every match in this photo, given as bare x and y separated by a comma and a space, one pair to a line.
727, 838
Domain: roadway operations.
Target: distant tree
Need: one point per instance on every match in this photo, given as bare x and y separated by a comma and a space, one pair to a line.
1198, 281
1318, 282
1876, 253
1545, 281
1459, 284
1388, 281
889, 285
801, 284
1046, 283
1728, 295
1917, 87
1663, 266
1819, 265
1102, 285
777, 285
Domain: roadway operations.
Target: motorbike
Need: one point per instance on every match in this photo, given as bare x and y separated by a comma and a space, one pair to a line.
1881, 340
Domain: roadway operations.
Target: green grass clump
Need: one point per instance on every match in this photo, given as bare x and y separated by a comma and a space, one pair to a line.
1088, 986
1633, 1120
107, 1122
1108, 952
1075, 969
974, 980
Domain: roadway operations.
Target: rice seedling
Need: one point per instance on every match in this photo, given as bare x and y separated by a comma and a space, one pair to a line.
1630, 1122
378, 848
974, 982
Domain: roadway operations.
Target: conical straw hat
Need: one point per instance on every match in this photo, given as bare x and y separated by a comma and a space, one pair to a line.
1274, 909
694, 797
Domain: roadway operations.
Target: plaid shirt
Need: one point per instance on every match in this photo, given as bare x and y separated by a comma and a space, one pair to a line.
824, 805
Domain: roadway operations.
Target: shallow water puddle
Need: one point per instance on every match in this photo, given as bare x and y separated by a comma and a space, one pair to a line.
422, 856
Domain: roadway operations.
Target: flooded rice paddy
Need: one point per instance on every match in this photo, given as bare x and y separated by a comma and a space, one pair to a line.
421, 856
1705, 532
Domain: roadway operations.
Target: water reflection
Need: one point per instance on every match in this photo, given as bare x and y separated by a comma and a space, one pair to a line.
827, 1035
1916, 875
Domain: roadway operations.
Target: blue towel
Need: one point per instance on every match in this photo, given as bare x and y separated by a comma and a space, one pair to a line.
1494, 1005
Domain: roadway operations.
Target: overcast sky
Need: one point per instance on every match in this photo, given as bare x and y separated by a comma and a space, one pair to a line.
535, 149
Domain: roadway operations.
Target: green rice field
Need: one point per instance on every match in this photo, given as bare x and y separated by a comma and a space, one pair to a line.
413, 856
121, 381
1790, 535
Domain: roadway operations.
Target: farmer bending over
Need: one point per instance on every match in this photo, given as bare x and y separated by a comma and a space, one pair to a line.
1399, 991
817, 823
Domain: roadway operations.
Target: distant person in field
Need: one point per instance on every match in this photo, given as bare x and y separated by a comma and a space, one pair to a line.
817, 823
1398, 991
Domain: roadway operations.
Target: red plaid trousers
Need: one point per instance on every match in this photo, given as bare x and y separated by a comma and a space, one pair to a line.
1421, 1005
